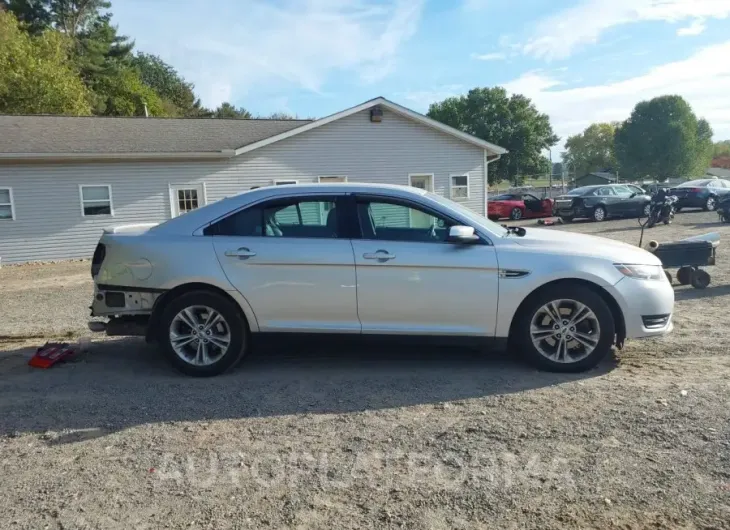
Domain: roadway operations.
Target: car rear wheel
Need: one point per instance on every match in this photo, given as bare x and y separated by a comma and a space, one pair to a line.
710, 204
566, 328
203, 333
515, 214
599, 214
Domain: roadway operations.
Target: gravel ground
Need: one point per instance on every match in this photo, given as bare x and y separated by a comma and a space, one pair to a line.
303, 436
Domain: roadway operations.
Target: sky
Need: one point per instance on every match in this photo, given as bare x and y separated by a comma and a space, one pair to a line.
580, 61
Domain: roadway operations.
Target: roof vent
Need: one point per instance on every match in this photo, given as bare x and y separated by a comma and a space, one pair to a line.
376, 114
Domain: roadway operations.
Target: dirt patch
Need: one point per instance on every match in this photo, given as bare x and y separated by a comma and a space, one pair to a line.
310, 436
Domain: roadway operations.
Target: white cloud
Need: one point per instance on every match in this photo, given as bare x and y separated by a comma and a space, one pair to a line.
703, 80
560, 34
489, 56
257, 43
419, 100
695, 28
474, 5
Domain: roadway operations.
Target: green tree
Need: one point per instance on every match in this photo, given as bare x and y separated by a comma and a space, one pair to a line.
591, 150
512, 122
34, 15
75, 16
172, 88
281, 116
721, 148
226, 110
124, 94
663, 139
36, 75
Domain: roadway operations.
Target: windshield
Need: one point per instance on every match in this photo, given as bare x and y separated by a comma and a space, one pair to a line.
503, 197
476, 220
580, 191
695, 184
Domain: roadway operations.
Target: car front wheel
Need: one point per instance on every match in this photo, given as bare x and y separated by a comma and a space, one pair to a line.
515, 214
203, 333
566, 328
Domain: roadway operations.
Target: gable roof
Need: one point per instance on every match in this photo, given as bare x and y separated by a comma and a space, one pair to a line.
718, 172
42, 137
384, 103
92, 136
608, 177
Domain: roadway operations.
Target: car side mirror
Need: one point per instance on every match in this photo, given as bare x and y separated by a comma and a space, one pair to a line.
633, 195
462, 234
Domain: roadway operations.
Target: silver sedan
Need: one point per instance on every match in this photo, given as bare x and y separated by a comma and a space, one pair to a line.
371, 260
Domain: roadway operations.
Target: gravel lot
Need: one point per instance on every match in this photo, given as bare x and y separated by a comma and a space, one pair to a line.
308, 436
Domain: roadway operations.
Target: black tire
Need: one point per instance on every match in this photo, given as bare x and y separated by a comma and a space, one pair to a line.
678, 209
710, 204
567, 219
684, 275
493, 218
234, 320
521, 337
599, 214
669, 276
700, 279
515, 214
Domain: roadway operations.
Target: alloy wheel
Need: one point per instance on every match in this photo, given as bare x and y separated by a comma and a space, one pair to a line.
710, 204
599, 214
200, 335
516, 214
565, 331
647, 210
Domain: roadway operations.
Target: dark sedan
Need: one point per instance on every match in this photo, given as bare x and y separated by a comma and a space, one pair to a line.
703, 193
601, 202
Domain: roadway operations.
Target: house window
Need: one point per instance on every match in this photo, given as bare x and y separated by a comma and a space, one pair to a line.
330, 179
96, 200
459, 185
282, 182
186, 198
7, 210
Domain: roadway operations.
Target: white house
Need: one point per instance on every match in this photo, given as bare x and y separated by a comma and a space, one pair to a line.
63, 179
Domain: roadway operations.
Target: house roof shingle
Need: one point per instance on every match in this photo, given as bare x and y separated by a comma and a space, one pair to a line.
92, 135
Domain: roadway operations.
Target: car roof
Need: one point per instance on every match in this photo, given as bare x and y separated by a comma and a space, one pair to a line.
196, 218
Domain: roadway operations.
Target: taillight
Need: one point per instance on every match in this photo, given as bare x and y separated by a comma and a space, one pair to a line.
97, 259
695, 190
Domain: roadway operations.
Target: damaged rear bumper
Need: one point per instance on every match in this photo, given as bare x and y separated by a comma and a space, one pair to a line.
128, 309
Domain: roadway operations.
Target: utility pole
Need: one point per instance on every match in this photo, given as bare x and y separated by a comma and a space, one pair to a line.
550, 179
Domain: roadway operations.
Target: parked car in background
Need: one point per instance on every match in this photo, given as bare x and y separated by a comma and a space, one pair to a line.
600, 202
701, 193
518, 206
364, 259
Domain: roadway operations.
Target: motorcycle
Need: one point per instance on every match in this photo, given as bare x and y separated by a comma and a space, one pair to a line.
661, 208
723, 209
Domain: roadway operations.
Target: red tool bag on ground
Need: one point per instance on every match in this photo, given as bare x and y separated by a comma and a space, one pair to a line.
49, 354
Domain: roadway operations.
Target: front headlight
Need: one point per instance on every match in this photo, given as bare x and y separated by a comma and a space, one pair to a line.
641, 272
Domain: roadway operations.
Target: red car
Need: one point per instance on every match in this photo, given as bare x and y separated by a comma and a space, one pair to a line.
518, 206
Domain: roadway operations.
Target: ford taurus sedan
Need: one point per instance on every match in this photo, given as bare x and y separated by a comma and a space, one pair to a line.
370, 260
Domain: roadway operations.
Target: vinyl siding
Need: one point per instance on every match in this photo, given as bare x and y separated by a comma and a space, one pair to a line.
49, 224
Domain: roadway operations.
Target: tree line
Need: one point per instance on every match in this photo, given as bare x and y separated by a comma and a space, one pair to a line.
66, 57
661, 139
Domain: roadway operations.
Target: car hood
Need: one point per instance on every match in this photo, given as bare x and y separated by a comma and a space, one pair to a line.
564, 242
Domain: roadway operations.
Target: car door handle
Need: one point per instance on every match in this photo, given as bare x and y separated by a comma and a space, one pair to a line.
242, 252
381, 255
